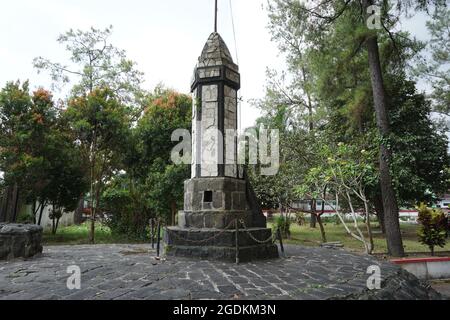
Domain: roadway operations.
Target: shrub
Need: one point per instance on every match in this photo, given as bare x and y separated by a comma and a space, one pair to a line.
25, 218
433, 230
300, 218
283, 224
332, 219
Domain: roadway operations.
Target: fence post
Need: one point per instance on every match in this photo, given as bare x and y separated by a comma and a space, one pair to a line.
152, 232
237, 240
280, 238
158, 239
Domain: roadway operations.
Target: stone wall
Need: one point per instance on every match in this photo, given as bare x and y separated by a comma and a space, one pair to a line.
19, 240
227, 201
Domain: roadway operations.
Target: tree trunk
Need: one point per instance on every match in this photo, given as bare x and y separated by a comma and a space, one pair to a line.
319, 217
173, 208
94, 211
4, 205
369, 227
16, 202
78, 214
378, 204
322, 229
40, 213
312, 222
93, 182
34, 210
57, 224
391, 217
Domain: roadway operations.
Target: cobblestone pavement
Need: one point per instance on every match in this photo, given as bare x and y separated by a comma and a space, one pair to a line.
442, 286
131, 272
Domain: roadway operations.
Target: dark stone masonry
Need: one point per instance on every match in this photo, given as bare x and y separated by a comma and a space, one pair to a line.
19, 240
218, 197
131, 272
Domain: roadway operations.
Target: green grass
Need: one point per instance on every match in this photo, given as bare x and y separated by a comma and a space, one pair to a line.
301, 235
304, 235
79, 234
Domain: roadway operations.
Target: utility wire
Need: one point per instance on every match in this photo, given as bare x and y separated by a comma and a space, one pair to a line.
237, 62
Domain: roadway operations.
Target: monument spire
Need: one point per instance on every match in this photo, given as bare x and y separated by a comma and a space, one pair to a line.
218, 198
215, 17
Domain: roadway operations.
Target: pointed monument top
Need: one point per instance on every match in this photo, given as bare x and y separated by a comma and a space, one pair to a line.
216, 53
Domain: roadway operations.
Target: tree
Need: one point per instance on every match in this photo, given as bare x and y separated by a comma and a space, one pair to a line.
100, 125
18, 163
166, 111
126, 202
36, 151
291, 36
150, 185
277, 191
95, 63
67, 181
100, 69
324, 21
437, 69
346, 173
434, 224
420, 159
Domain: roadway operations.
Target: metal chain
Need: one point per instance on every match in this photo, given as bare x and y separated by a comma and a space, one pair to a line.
204, 240
271, 238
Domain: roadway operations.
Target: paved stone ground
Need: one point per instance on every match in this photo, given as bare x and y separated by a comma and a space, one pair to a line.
131, 272
443, 287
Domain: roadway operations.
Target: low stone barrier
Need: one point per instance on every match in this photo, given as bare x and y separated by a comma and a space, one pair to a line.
19, 240
426, 268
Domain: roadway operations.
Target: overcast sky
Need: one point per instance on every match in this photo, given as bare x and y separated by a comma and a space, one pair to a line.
164, 37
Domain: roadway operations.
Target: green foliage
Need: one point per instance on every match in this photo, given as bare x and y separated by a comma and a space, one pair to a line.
78, 235
437, 69
94, 63
300, 218
418, 144
100, 125
166, 111
343, 168
434, 225
37, 153
127, 209
150, 185
331, 51
283, 223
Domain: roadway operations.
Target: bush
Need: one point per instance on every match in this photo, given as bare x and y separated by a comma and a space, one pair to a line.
25, 218
433, 230
284, 225
300, 218
124, 215
333, 219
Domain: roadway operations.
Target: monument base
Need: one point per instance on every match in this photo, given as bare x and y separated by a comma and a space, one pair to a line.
217, 244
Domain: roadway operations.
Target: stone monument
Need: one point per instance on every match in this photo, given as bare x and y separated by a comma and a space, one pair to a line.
218, 194
19, 240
